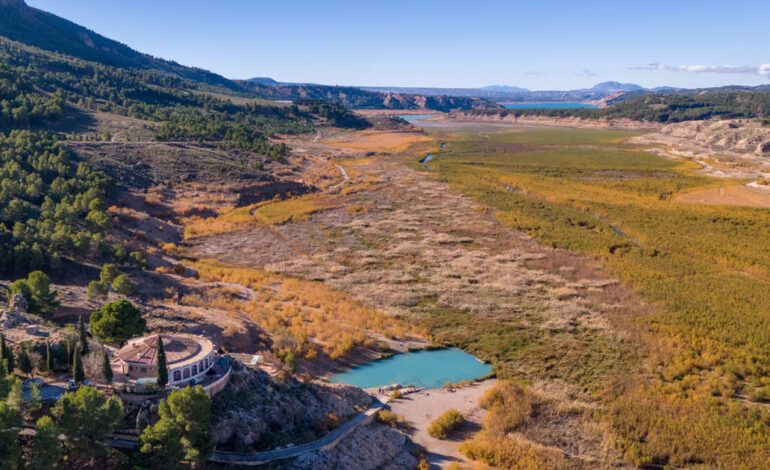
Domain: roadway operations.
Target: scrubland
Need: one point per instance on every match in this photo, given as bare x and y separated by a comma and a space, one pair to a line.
705, 270
302, 317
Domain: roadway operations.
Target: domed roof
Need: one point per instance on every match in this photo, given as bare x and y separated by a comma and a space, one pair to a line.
178, 348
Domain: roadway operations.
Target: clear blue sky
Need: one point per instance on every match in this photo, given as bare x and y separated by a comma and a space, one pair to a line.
543, 44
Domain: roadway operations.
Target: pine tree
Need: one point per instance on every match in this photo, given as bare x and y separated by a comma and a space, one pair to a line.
78, 374
83, 336
162, 365
46, 449
106, 367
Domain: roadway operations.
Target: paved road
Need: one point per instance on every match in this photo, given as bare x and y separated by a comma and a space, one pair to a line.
280, 454
48, 392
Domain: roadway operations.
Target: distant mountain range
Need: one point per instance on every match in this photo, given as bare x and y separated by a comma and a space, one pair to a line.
502, 93
22, 23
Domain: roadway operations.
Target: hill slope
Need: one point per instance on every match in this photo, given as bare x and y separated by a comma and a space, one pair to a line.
38, 28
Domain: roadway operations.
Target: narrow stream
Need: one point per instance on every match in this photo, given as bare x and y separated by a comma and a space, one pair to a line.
424, 161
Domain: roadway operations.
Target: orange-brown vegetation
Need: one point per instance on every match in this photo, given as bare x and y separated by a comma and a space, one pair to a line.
500, 442
377, 141
301, 316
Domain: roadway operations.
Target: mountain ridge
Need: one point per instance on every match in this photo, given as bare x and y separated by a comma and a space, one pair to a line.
23, 23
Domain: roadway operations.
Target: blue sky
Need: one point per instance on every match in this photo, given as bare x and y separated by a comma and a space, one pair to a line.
546, 44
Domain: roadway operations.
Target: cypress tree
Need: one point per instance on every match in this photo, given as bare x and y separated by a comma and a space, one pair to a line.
78, 375
162, 364
6, 354
83, 336
48, 357
10, 363
106, 368
25, 363
3, 347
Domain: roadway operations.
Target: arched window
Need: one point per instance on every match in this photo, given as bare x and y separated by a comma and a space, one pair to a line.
206, 362
195, 369
201, 367
177, 376
187, 373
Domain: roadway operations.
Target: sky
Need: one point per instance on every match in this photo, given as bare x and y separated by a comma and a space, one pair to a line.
536, 44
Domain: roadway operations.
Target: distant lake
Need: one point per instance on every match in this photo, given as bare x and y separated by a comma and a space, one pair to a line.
414, 117
549, 105
429, 369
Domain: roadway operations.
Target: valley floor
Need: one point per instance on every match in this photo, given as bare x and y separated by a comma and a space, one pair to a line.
403, 242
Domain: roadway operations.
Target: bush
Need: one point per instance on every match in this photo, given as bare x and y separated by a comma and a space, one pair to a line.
393, 420
445, 424
122, 285
511, 452
387, 417
509, 406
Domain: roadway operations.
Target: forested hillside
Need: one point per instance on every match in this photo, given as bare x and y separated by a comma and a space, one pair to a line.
28, 25
51, 205
668, 108
52, 88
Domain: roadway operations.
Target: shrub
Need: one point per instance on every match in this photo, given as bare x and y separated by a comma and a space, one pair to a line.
122, 285
393, 420
445, 424
387, 417
509, 406
511, 452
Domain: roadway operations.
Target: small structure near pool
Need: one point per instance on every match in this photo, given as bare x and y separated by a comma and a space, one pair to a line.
190, 359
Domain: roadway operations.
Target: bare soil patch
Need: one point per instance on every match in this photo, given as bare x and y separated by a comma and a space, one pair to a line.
727, 196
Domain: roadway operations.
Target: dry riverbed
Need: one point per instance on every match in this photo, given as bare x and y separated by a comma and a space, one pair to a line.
402, 242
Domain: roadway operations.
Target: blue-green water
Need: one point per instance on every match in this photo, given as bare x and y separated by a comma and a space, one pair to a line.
429, 369
549, 105
414, 117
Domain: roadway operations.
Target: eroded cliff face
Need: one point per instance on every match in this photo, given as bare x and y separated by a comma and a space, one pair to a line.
738, 135
258, 412
503, 117
374, 446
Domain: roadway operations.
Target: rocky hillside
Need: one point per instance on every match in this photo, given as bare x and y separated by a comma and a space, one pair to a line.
364, 99
258, 412
740, 136
546, 120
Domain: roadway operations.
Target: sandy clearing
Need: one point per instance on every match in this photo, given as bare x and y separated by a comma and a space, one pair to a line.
377, 141
422, 408
727, 196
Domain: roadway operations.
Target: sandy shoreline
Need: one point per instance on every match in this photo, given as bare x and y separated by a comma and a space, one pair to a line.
421, 408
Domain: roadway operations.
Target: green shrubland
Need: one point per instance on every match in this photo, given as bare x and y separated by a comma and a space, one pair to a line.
705, 270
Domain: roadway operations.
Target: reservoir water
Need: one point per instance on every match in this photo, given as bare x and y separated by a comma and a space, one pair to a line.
549, 105
414, 117
429, 369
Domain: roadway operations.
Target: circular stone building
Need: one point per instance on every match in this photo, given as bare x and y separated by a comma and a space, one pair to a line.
188, 358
